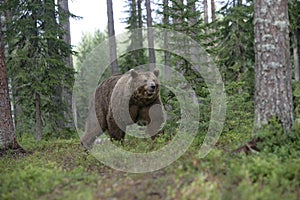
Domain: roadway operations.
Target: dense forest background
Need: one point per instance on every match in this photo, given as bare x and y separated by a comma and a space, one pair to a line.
41, 71
255, 45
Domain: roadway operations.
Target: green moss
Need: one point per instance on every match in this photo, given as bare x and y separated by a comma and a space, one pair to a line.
61, 169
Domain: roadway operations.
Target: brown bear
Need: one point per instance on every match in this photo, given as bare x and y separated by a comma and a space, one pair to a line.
123, 100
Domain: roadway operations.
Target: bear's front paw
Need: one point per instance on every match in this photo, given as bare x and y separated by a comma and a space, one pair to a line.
86, 145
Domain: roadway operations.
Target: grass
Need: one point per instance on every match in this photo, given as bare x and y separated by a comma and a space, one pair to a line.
62, 169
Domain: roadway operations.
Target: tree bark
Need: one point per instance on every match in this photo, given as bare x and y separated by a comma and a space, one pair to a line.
177, 20
167, 54
38, 118
65, 22
140, 26
240, 49
7, 132
192, 8
273, 91
296, 39
67, 92
213, 18
112, 39
205, 5
213, 10
150, 36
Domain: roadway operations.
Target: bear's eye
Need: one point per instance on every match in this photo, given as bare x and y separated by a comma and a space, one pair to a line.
145, 81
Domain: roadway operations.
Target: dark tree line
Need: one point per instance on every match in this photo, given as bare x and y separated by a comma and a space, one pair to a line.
255, 64
255, 45
36, 35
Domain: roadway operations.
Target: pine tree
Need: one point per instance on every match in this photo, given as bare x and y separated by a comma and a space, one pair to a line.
166, 23
150, 35
87, 64
36, 61
64, 21
273, 91
294, 14
205, 6
213, 10
112, 39
234, 46
185, 19
136, 53
7, 133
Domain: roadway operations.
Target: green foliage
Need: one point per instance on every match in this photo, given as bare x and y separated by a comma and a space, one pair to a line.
36, 61
66, 171
62, 169
88, 43
189, 22
234, 45
55, 170
276, 141
88, 64
136, 52
240, 108
294, 14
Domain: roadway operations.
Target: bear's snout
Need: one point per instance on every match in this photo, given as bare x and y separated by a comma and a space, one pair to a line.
152, 87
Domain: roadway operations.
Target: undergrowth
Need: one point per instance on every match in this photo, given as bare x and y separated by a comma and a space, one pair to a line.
62, 169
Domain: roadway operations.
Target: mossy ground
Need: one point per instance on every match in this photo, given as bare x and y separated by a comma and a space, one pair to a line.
62, 169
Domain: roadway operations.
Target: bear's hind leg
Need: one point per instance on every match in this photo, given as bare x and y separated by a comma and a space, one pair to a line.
93, 128
90, 136
115, 132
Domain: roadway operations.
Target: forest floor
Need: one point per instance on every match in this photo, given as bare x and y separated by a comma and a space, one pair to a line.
62, 169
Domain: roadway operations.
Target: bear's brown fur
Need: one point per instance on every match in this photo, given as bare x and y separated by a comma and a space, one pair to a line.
123, 100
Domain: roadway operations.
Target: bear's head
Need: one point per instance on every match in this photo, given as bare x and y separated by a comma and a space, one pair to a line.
146, 85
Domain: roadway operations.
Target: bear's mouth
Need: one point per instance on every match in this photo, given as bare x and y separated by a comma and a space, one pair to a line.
150, 93
147, 92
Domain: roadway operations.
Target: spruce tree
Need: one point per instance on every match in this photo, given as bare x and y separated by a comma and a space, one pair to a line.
234, 47
7, 132
136, 53
36, 62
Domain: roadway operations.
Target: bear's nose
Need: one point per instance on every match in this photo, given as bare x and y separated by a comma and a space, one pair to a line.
152, 86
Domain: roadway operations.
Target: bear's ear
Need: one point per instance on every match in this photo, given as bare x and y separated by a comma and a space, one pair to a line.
133, 73
156, 72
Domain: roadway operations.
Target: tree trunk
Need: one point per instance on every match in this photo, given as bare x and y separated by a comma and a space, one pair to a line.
140, 27
213, 18
273, 91
240, 49
38, 117
65, 22
112, 39
193, 19
205, 5
50, 10
150, 36
67, 91
178, 22
213, 10
166, 40
296, 39
7, 133
16, 108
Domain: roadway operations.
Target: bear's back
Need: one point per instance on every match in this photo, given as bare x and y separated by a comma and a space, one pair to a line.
106, 87
103, 94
